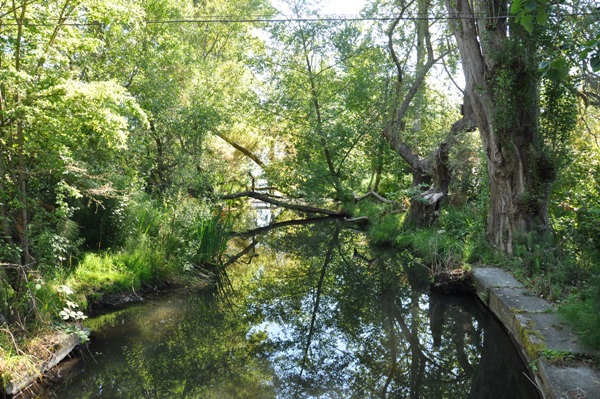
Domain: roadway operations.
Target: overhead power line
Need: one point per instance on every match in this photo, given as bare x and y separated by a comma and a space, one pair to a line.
327, 18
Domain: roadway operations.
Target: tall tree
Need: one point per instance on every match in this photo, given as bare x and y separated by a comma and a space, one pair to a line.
500, 62
56, 133
308, 84
431, 172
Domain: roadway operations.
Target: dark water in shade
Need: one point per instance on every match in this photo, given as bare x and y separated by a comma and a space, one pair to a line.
306, 312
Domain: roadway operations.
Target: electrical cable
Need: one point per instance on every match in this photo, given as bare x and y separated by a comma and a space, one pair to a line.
327, 18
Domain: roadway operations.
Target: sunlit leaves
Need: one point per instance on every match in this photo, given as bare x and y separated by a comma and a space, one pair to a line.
572, 45
556, 71
528, 11
102, 110
591, 49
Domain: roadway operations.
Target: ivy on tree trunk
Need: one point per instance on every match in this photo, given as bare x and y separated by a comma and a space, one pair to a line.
503, 84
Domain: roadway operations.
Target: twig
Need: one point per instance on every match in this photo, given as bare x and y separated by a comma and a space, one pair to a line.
133, 289
533, 383
13, 340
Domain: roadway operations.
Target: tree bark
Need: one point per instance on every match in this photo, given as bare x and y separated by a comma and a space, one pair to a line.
21, 181
502, 83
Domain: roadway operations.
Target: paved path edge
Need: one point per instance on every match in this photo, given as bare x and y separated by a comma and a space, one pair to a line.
537, 331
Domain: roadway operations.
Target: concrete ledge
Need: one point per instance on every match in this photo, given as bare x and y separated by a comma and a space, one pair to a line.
66, 344
536, 329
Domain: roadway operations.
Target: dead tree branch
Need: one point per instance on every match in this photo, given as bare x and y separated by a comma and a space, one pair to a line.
278, 201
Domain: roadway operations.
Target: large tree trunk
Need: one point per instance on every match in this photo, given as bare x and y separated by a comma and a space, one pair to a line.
502, 80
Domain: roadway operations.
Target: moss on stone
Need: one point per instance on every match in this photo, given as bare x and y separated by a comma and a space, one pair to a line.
532, 341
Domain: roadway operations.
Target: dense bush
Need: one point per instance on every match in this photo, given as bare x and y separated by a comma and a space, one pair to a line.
163, 242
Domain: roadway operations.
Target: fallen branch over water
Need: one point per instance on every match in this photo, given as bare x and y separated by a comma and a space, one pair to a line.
273, 226
285, 203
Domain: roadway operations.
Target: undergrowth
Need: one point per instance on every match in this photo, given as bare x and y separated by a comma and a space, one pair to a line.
563, 268
168, 243
178, 242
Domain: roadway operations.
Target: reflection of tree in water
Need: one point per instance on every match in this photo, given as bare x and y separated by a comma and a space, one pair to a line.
206, 355
344, 322
310, 312
199, 349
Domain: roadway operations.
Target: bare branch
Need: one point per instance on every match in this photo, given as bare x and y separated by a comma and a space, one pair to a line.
284, 204
241, 149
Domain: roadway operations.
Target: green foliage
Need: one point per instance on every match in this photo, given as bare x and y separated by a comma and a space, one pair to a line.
94, 114
576, 205
324, 102
541, 262
384, 220
450, 243
102, 273
168, 242
558, 120
528, 11
434, 248
582, 310
556, 70
558, 357
467, 165
564, 51
591, 49
576, 215
53, 308
384, 230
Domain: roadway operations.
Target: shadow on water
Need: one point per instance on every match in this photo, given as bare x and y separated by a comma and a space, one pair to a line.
310, 311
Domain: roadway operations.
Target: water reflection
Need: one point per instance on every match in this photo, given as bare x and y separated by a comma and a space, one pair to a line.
311, 312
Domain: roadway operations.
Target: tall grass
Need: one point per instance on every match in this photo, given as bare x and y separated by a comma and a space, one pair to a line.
166, 243
449, 243
212, 236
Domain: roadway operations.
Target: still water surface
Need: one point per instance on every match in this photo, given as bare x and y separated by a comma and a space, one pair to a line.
306, 311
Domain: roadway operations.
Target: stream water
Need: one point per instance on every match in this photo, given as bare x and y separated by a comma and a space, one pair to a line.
306, 311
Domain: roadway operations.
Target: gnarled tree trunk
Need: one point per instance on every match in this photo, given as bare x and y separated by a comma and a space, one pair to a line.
502, 80
433, 170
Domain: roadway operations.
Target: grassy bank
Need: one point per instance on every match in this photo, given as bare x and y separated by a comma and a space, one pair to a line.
178, 244
562, 266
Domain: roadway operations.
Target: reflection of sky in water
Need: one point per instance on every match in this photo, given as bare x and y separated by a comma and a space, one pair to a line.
370, 335
265, 213
288, 362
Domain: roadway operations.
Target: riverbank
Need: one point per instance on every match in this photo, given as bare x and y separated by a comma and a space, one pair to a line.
560, 365
59, 346
50, 346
